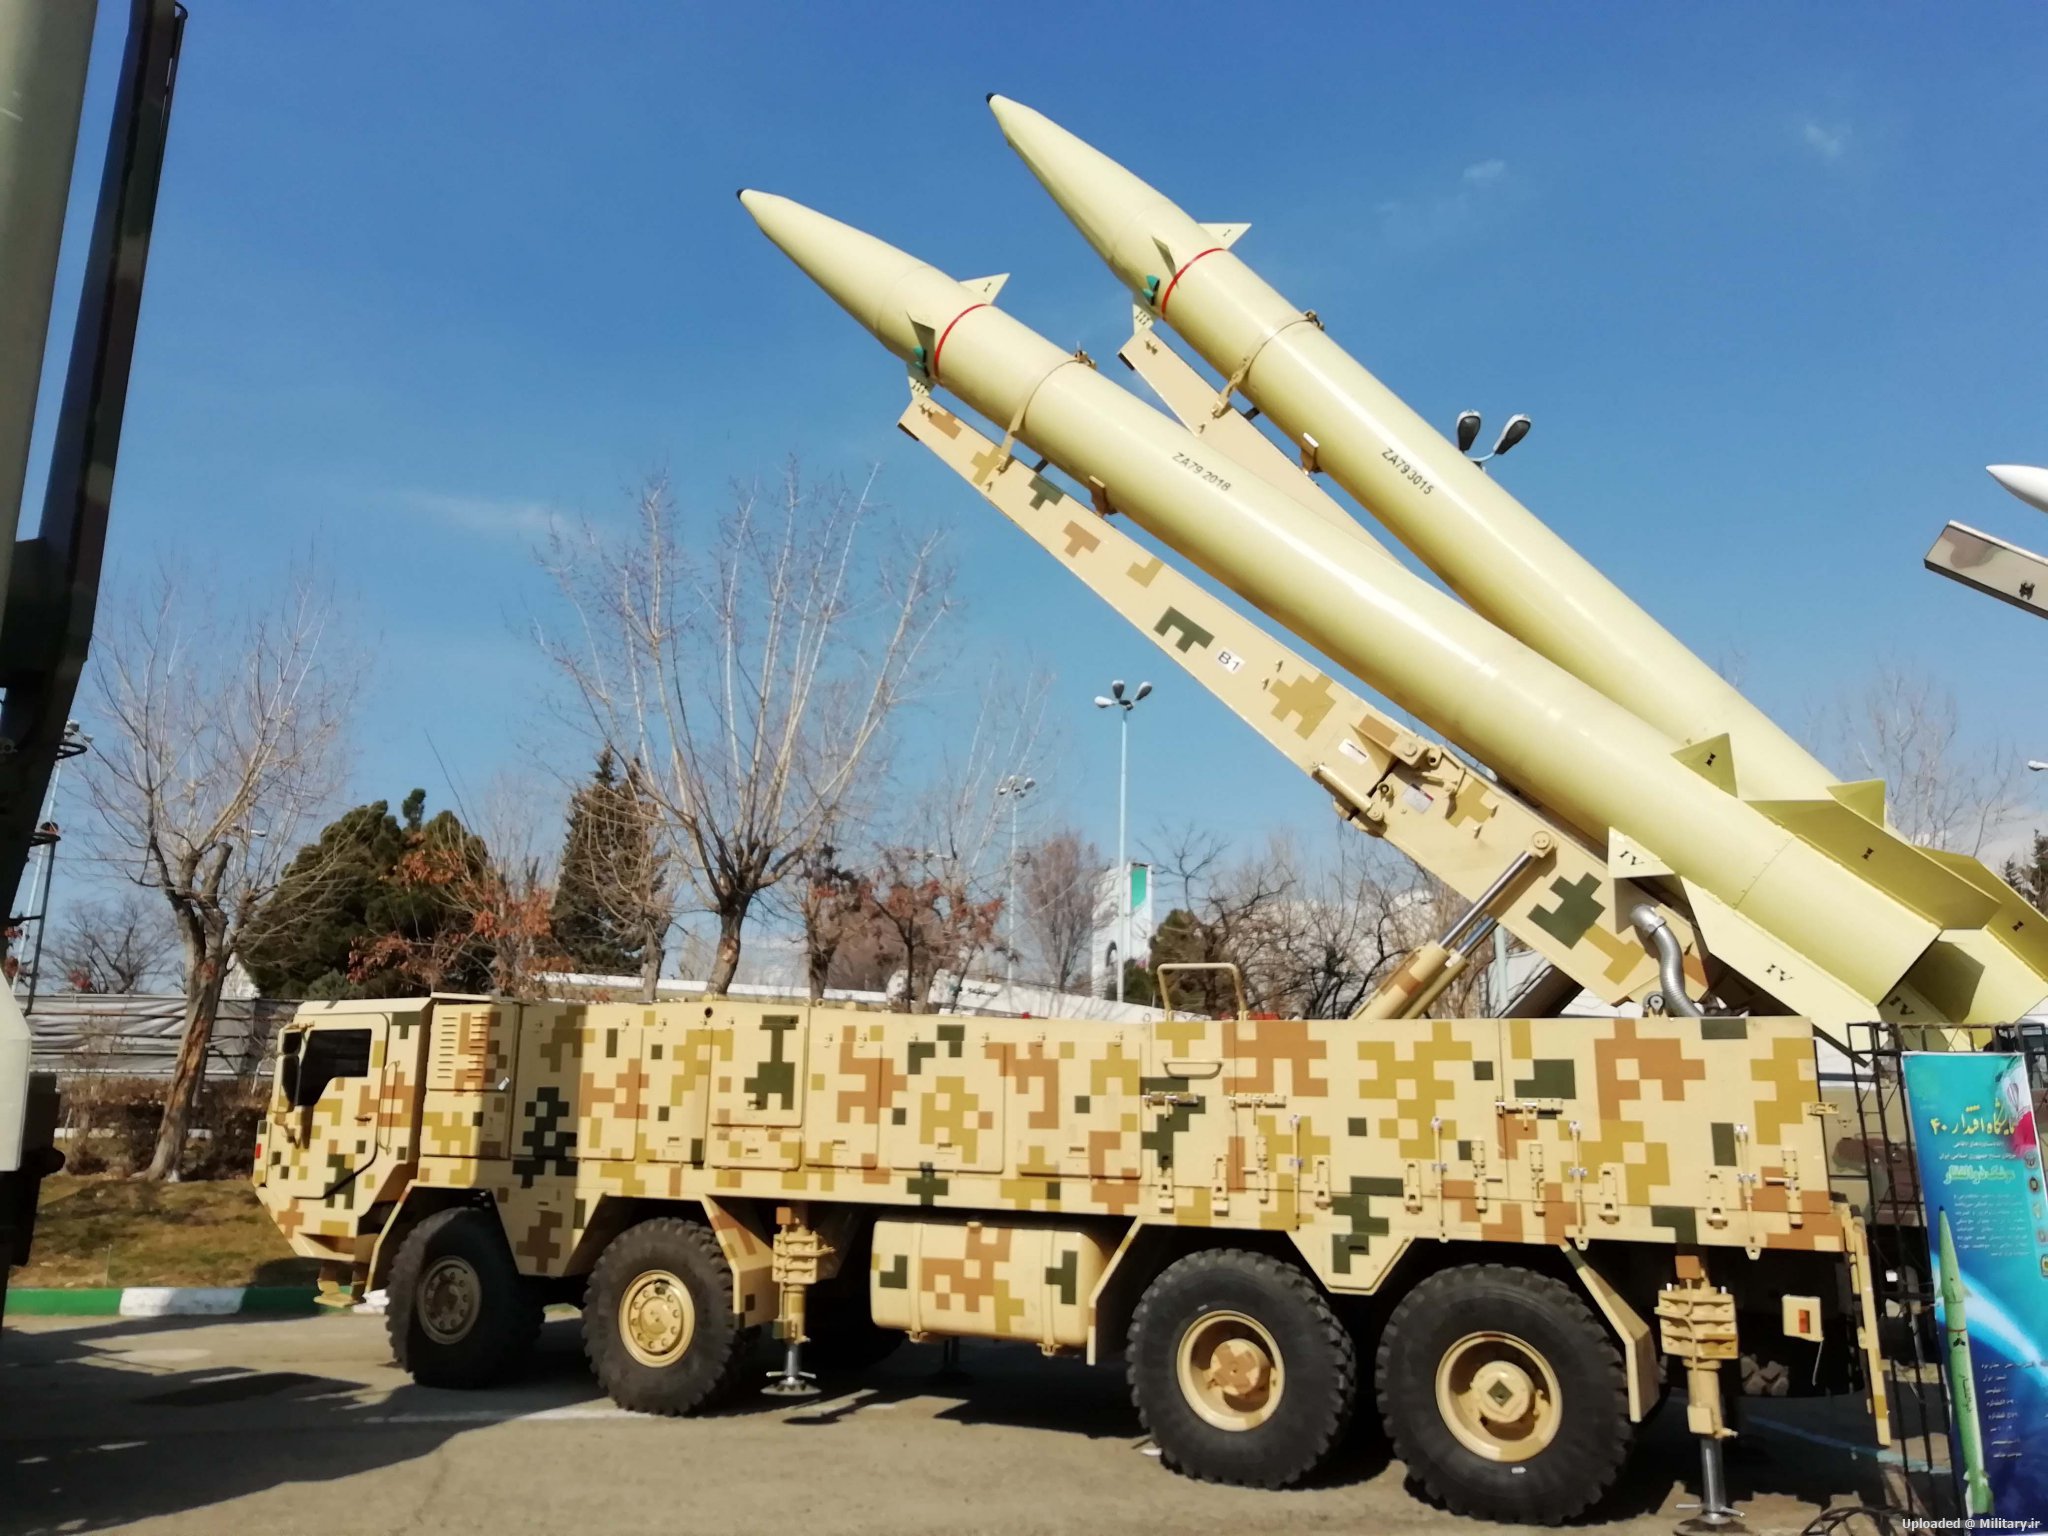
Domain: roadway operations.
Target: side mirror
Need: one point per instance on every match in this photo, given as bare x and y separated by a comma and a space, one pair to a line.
288, 1078
1468, 430
1516, 429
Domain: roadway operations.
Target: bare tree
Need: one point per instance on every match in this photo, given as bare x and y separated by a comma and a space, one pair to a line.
1346, 920
936, 922
1059, 891
1187, 856
1942, 789
120, 945
1310, 939
833, 901
959, 823
748, 666
218, 737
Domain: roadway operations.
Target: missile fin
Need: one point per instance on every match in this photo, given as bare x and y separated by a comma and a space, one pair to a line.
1628, 859
1863, 796
1884, 859
986, 287
1227, 235
1713, 760
1747, 950
2019, 927
1962, 980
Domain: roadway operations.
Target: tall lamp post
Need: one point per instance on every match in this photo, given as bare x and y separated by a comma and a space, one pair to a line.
1123, 706
1016, 787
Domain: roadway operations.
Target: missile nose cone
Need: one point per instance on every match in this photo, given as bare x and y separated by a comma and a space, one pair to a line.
2025, 481
1126, 220
764, 207
869, 278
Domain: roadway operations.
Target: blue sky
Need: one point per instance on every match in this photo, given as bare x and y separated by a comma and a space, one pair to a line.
1768, 278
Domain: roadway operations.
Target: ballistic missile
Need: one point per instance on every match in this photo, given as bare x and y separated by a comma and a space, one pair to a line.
2025, 481
1486, 546
1962, 1377
1819, 937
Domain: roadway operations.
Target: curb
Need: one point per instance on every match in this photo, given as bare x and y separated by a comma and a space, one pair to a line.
163, 1301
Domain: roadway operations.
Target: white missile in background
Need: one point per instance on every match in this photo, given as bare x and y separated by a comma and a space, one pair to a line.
2024, 481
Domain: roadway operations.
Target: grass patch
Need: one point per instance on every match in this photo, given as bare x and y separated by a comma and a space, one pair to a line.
106, 1231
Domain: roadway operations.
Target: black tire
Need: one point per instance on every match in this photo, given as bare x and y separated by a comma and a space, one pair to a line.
1589, 1435
435, 1337
1196, 1308
691, 1351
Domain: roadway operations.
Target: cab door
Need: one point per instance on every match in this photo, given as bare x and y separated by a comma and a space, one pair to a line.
344, 1117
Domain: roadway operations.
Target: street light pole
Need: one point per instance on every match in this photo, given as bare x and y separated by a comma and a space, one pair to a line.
1117, 701
1016, 788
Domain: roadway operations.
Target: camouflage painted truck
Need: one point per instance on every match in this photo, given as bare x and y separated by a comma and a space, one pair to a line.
1514, 1234
1507, 1237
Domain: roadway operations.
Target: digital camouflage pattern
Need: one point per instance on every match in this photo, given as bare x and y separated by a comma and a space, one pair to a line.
1354, 1140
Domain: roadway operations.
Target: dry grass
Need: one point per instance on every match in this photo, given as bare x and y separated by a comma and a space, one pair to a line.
114, 1232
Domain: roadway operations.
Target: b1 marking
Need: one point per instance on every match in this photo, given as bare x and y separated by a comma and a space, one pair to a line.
1229, 661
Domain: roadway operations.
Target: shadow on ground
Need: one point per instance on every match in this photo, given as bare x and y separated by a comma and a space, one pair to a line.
94, 1438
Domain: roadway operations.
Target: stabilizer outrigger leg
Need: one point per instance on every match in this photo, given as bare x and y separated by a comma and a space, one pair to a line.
798, 1252
1698, 1323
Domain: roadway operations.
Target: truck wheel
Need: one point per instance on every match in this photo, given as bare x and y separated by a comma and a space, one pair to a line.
461, 1314
1503, 1395
1240, 1370
658, 1322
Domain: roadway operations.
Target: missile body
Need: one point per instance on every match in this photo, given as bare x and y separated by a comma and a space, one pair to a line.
1962, 1380
1579, 753
1488, 547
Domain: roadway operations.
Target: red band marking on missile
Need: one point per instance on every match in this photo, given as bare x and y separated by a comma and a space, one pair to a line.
1166, 298
941, 347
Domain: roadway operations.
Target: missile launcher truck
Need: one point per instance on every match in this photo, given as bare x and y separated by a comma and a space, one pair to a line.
1498, 1230
1511, 1235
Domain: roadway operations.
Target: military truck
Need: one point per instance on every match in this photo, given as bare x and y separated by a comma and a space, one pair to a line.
1507, 1237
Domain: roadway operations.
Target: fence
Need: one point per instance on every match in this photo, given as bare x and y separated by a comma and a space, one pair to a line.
1877, 1152
124, 1035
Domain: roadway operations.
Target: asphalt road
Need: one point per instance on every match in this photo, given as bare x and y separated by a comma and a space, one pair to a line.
186, 1425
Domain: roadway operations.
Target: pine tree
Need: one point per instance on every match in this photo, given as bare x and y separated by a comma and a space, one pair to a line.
2029, 875
610, 911
343, 893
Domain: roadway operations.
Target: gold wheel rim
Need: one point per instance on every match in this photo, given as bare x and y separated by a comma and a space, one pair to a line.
1230, 1370
451, 1296
657, 1319
1499, 1396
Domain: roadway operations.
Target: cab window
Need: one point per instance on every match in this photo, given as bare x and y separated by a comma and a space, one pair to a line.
323, 1056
